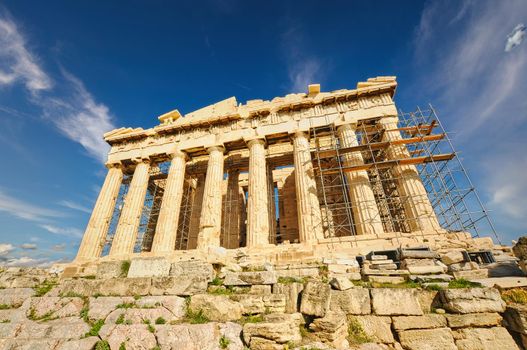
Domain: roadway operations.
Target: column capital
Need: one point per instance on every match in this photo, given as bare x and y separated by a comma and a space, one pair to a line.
255, 140
346, 126
178, 154
110, 165
298, 133
219, 148
138, 160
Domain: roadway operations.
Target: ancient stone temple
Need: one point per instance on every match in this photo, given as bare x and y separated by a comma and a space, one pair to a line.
308, 173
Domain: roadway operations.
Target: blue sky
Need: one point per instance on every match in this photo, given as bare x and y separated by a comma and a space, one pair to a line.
71, 70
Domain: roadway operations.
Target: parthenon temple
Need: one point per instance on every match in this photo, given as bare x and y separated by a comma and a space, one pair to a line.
314, 172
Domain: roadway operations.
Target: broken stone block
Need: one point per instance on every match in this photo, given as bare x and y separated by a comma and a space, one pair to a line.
216, 307
354, 301
192, 336
423, 270
110, 269
386, 279
193, 269
418, 254
417, 262
315, 298
291, 291
149, 267
80, 344
137, 316
402, 323
515, 317
472, 300
41, 307
390, 301
463, 266
430, 339
331, 329
276, 328
133, 336
484, 319
341, 283
249, 278
452, 257
101, 307
181, 286
14, 297
176, 305
484, 338
376, 328
257, 304
260, 289
472, 274
67, 328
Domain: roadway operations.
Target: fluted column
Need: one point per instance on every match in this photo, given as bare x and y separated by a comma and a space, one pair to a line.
258, 198
365, 212
127, 228
308, 206
419, 212
167, 223
97, 229
271, 205
210, 220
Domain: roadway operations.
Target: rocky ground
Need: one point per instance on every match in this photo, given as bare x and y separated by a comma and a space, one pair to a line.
149, 303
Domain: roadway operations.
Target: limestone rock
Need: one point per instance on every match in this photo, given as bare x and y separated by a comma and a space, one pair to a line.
67, 328
472, 274
110, 269
9, 330
275, 328
233, 332
474, 320
402, 323
176, 305
341, 283
188, 336
315, 299
54, 307
472, 300
429, 339
423, 270
192, 269
249, 278
182, 286
149, 267
14, 297
376, 328
134, 337
484, 338
291, 291
428, 299
80, 344
390, 301
258, 304
354, 301
260, 289
452, 257
515, 317
124, 286
331, 329
386, 279
139, 316
418, 254
520, 248
101, 307
463, 266
216, 307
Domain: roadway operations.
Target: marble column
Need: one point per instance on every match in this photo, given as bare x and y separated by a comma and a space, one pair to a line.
232, 211
167, 223
210, 220
95, 235
418, 210
308, 206
365, 212
271, 205
258, 198
127, 228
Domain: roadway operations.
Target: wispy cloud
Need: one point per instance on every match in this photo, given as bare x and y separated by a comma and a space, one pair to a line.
75, 206
63, 231
5, 249
28, 246
480, 89
24, 210
72, 109
515, 38
16, 62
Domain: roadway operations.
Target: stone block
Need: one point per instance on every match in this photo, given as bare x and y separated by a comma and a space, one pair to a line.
216, 307
125, 286
259, 304
378, 257
463, 266
386, 279
67, 328
402, 323
250, 277
428, 299
383, 266
135, 336
278, 330
291, 291
429, 339
182, 286
418, 254
472, 274
41, 307
260, 289
198, 336
331, 329
472, 300
431, 278
194, 269
484, 319
80, 344
315, 299
417, 262
423, 270
376, 328
176, 305
14, 297
110, 269
149, 267
452, 257
484, 338
354, 301
341, 283
139, 316
101, 307
390, 301
515, 317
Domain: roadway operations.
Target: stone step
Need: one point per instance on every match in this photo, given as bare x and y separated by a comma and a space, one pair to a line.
431, 278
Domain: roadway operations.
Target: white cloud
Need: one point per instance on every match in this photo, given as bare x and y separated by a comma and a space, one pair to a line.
5, 249
515, 38
63, 231
74, 111
303, 73
59, 247
17, 63
480, 91
75, 206
30, 246
24, 210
